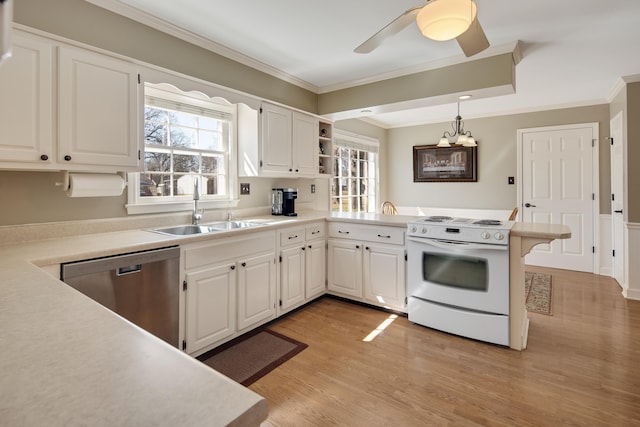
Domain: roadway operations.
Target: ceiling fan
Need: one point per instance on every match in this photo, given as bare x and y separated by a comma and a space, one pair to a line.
438, 20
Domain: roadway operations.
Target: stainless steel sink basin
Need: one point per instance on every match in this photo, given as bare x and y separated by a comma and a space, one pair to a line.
187, 230
233, 225
216, 227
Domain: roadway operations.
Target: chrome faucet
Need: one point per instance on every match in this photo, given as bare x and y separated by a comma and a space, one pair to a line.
196, 216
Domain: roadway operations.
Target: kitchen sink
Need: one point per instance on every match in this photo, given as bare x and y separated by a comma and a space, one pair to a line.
234, 225
188, 230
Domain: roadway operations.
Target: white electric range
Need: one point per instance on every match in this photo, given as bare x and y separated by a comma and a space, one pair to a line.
458, 276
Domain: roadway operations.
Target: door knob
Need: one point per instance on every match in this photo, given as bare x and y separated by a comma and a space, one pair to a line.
529, 205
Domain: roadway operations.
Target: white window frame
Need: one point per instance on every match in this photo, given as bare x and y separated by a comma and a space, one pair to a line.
141, 205
364, 143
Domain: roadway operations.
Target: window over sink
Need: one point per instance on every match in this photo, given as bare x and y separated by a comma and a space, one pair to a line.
354, 186
188, 137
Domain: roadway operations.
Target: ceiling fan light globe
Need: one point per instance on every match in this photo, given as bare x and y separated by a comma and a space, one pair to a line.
442, 20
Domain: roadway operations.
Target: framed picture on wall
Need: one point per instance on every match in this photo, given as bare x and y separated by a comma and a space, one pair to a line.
445, 164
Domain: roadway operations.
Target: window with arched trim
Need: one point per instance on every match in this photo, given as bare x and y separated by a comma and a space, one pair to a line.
188, 137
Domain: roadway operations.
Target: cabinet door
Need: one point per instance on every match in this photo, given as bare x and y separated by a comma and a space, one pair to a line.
276, 139
256, 290
210, 306
305, 144
315, 269
345, 267
26, 104
292, 277
98, 111
384, 275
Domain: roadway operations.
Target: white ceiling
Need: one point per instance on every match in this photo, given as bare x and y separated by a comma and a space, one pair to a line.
574, 52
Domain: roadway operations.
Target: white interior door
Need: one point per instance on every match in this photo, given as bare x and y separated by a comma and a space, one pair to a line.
557, 187
617, 199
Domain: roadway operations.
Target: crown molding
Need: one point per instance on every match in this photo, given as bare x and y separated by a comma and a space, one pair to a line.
620, 84
159, 24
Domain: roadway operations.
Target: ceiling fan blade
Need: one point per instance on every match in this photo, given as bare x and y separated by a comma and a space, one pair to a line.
473, 40
389, 30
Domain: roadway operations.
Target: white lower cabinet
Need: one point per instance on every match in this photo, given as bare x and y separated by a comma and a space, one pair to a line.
345, 267
211, 299
229, 288
384, 275
256, 290
367, 263
302, 273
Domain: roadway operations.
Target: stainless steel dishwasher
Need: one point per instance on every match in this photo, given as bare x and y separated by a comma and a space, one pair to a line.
142, 287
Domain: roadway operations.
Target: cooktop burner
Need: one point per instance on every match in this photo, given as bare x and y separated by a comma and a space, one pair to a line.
437, 218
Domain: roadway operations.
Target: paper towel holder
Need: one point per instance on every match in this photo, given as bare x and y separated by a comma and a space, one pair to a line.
65, 180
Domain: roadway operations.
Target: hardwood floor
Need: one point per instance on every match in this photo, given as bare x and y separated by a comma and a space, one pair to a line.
581, 367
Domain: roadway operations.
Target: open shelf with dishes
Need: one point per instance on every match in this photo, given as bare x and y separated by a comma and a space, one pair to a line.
325, 149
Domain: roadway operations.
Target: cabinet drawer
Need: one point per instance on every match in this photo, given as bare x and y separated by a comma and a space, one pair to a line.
370, 233
315, 231
220, 249
291, 236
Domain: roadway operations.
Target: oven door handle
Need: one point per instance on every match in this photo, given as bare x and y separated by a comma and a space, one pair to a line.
447, 244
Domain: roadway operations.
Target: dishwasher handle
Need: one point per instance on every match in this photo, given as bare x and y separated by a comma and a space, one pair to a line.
130, 269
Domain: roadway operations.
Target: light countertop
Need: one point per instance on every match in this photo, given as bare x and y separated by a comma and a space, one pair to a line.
535, 230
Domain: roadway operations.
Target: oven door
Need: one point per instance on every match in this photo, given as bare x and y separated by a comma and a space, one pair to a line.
470, 276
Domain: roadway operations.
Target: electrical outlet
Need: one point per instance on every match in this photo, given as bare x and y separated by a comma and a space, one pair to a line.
245, 188
511, 180
313, 188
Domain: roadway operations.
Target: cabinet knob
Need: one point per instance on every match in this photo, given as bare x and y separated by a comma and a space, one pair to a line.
44, 157
357, 246
297, 170
290, 170
366, 247
303, 248
309, 246
233, 267
67, 157
244, 264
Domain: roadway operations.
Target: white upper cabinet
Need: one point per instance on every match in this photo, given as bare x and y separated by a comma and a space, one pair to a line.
286, 145
277, 137
26, 104
98, 110
304, 145
68, 108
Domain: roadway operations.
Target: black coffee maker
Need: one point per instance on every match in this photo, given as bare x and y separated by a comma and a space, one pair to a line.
283, 201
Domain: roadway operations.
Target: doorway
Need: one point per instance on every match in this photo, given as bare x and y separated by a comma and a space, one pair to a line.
558, 176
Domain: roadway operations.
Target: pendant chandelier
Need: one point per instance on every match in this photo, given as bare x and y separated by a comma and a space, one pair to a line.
458, 135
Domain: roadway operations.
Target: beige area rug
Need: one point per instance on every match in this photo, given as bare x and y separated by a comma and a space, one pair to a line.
249, 357
537, 290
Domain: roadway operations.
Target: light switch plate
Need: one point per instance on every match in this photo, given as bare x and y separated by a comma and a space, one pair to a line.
245, 188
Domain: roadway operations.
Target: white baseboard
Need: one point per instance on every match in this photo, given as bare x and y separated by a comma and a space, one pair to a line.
632, 249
